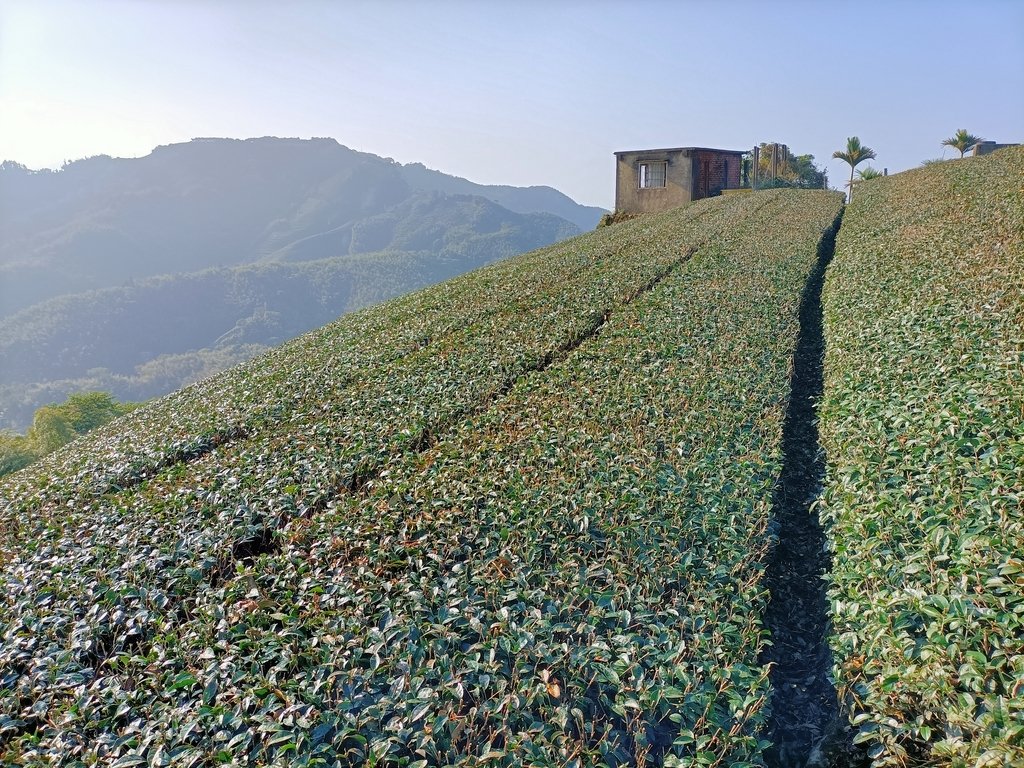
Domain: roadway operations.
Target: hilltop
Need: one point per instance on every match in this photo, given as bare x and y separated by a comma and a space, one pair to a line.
208, 202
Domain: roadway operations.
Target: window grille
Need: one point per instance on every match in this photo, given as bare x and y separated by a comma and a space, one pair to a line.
652, 174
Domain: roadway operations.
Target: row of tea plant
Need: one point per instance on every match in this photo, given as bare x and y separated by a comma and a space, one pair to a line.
518, 518
923, 423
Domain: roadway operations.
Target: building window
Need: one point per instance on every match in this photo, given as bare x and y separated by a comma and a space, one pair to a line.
652, 174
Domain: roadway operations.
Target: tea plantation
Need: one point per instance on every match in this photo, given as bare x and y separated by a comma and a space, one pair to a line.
923, 423
518, 518
523, 518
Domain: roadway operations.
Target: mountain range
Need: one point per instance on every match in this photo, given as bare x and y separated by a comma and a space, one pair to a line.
137, 276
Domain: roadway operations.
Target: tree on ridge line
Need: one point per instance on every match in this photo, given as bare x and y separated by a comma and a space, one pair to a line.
855, 153
962, 140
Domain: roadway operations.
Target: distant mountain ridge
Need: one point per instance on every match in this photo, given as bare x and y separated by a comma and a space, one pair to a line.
209, 202
107, 232
518, 199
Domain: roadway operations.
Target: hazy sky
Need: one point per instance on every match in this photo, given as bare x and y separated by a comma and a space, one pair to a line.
514, 92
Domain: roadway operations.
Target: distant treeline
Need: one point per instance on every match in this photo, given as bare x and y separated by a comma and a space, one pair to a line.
57, 425
153, 336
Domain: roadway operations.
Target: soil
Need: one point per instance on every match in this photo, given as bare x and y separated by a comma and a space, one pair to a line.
807, 728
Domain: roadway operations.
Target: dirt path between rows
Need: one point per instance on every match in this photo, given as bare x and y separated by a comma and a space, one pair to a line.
806, 728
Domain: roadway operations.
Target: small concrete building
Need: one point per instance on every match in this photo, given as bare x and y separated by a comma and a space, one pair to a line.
651, 180
985, 147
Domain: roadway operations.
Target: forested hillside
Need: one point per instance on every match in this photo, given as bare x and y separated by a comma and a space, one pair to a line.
138, 276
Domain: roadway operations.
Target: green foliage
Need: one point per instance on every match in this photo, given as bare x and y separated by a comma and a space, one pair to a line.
87, 410
16, 452
516, 519
793, 171
615, 218
54, 426
866, 174
854, 154
924, 431
962, 141
50, 430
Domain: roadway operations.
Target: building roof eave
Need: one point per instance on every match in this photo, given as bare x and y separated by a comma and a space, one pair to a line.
681, 149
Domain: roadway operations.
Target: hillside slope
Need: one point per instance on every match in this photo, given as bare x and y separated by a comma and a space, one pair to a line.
174, 244
154, 335
923, 422
518, 518
519, 199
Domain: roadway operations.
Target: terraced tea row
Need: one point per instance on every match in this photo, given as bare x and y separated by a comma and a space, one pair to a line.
386, 367
195, 517
923, 423
536, 538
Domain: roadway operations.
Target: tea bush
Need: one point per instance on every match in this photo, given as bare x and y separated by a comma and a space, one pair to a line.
516, 519
923, 424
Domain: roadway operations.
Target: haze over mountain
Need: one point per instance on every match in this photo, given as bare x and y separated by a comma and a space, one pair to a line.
140, 275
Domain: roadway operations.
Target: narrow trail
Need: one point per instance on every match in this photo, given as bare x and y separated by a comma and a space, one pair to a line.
805, 728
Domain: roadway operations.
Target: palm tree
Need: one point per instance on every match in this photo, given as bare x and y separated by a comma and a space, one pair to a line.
855, 153
962, 140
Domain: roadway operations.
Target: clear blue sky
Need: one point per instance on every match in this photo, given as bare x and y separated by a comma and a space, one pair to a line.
510, 91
